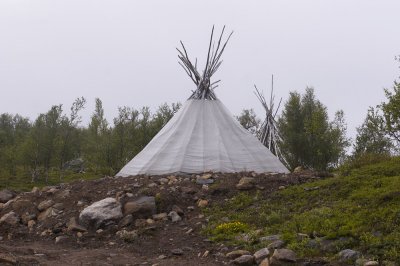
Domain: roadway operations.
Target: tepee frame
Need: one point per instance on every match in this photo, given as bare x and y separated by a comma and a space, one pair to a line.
205, 88
269, 133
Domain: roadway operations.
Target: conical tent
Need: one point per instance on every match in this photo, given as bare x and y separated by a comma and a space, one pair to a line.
203, 135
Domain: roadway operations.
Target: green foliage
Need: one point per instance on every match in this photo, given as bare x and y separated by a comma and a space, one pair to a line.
359, 211
309, 139
371, 136
248, 119
391, 111
33, 153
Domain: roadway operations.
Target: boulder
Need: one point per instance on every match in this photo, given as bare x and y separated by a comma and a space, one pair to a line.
44, 205
177, 252
127, 220
160, 216
10, 218
50, 212
73, 226
246, 183
143, 207
237, 253
283, 257
178, 210
174, 217
260, 255
76, 165
26, 217
202, 203
100, 212
264, 262
245, 260
276, 244
127, 236
6, 195
348, 255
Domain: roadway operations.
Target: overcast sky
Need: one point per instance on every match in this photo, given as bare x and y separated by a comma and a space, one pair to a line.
123, 52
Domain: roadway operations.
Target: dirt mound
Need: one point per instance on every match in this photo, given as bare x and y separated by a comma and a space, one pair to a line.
44, 226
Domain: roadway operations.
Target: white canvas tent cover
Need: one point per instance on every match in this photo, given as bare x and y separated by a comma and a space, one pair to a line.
203, 136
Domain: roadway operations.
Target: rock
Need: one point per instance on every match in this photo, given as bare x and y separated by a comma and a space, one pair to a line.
59, 206
281, 187
188, 190
163, 180
298, 169
44, 205
276, 244
360, 262
348, 255
160, 216
140, 222
100, 212
282, 256
127, 220
10, 218
73, 226
264, 262
127, 236
270, 238
76, 165
61, 239
371, 263
174, 217
8, 259
150, 221
202, 203
178, 210
47, 214
177, 252
151, 185
201, 181
244, 260
246, 183
143, 207
64, 194
237, 253
261, 254
31, 224
35, 190
206, 176
26, 217
6, 195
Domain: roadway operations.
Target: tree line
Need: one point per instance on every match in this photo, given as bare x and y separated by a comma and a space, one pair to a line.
310, 139
43, 146
313, 141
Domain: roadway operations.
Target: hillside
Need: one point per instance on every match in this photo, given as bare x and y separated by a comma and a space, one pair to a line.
198, 220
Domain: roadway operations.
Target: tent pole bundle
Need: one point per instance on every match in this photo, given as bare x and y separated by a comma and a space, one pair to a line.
269, 133
205, 88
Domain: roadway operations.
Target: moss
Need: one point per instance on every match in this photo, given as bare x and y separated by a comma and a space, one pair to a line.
359, 211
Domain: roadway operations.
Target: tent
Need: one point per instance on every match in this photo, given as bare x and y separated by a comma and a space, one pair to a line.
268, 133
203, 136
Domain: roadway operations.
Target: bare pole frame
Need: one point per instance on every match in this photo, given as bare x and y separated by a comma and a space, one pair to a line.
205, 88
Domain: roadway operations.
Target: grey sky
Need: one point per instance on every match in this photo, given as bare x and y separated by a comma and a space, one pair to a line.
124, 52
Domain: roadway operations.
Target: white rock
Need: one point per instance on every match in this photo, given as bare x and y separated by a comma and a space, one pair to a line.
99, 212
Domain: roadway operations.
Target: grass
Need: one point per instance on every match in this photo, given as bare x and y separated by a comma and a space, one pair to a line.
22, 181
360, 211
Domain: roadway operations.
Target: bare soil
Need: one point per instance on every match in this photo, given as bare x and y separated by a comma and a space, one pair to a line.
36, 245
